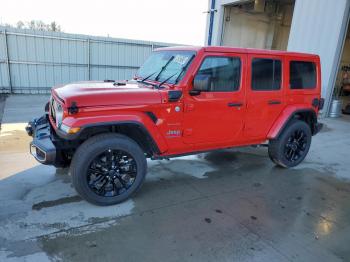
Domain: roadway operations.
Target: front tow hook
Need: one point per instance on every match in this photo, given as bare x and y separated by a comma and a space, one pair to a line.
29, 129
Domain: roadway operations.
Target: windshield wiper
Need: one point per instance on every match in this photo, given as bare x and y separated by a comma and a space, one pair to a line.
160, 85
177, 78
147, 77
163, 67
161, 70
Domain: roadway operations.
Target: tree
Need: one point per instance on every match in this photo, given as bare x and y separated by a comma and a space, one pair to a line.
20, 25
36, 25
55, 27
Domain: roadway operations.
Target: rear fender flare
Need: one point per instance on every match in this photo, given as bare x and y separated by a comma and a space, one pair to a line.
284, 118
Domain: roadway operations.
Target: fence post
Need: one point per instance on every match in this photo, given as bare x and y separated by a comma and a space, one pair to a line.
8, 61
88, 59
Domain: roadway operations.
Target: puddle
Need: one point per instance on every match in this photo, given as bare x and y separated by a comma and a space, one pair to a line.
267, 198
61, 201
286, 203
49, 220
10, 257
38, 202
192, 166
221, 157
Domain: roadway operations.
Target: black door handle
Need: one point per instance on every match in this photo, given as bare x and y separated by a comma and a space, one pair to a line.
232, 104
274, 102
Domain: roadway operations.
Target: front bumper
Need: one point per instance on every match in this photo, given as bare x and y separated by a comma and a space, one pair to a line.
42, 148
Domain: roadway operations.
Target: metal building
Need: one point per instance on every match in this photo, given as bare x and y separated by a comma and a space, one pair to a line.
312, 26
34, 61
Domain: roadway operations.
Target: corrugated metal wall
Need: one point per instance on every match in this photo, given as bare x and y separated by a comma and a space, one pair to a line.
34, 61
319, 27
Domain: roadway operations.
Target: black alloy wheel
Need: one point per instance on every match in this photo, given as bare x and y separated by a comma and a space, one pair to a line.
108, 169
291, 146
111, 173
295, 146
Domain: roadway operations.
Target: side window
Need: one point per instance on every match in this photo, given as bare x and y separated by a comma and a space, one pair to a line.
302, 75
224, 73
266, 74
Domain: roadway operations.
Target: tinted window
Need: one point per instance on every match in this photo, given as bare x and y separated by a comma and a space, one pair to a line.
302, 75
266, 74
224, 73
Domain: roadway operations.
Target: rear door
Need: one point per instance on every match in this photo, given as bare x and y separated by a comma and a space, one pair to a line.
216, 115
265, 99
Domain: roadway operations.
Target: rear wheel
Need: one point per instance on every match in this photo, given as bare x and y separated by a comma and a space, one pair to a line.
107, 169
292, 146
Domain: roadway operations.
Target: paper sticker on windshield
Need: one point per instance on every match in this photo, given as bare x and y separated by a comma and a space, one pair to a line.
181, 59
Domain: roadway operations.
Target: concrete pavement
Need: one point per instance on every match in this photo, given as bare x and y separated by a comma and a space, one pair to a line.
229, 205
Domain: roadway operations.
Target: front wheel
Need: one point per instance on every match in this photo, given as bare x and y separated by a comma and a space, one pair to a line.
292, 146
107, 169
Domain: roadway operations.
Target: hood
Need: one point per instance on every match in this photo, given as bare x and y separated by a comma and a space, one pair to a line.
88, 94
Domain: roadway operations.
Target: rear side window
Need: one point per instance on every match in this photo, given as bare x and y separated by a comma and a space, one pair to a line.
266, 74
302, 75
224, 73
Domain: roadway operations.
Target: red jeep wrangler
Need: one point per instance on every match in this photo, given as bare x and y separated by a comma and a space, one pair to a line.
183, 100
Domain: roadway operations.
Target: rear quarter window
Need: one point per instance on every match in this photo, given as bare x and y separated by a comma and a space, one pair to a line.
302, 75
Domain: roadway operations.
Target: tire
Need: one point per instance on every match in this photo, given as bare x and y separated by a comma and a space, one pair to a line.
296, 137
109, 159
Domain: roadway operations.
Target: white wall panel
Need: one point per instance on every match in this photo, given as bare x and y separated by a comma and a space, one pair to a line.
319, 27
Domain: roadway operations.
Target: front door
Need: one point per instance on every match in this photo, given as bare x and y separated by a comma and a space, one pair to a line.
216, 115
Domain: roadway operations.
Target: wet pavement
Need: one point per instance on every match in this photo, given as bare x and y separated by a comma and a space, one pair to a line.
228, 205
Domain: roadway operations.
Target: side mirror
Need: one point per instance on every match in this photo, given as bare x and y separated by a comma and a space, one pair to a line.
200, 83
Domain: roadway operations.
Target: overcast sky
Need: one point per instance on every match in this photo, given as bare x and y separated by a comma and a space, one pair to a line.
172, 21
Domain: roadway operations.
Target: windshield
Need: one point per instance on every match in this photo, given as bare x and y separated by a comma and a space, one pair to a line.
162, 65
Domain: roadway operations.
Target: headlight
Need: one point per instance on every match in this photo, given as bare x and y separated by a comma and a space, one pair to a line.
58, 113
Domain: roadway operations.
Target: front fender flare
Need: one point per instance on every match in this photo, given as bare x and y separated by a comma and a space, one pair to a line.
140, 119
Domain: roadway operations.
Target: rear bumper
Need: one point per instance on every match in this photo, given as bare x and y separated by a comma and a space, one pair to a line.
42, 148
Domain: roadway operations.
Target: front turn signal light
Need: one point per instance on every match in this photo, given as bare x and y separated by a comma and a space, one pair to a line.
73, 130
69, 130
